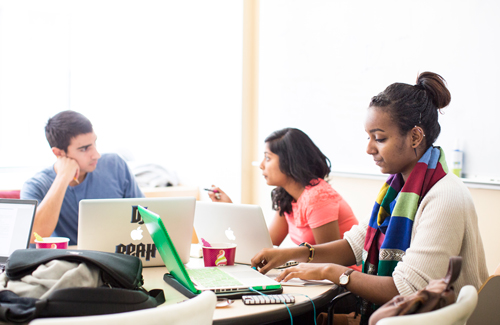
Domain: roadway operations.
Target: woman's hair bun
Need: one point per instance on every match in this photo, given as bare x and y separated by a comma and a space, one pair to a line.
436, 89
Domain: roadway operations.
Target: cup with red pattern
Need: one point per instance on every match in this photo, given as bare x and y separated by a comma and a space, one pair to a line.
219, 254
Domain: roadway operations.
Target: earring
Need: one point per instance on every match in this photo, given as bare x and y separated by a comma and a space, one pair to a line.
420, 130
415, 149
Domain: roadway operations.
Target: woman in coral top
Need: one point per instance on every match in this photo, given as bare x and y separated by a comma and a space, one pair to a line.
307, 207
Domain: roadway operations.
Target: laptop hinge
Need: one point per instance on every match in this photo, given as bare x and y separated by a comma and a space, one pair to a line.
171, 281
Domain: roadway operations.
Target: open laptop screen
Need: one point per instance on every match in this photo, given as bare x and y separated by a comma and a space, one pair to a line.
240, 224
114, 225
16, 222
166, 248
241, 277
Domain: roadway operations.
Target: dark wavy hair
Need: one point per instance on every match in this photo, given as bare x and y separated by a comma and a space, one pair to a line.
417, 105
299, 159
64, 126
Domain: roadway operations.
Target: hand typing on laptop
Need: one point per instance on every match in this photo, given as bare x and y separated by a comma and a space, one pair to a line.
270, 258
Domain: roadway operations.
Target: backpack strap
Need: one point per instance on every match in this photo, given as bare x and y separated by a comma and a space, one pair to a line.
453, 271
158, 295
98, 301
76, 302
15, 309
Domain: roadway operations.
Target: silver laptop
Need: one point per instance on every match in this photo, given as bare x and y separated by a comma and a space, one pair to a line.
16, 223
114, 225
243, 224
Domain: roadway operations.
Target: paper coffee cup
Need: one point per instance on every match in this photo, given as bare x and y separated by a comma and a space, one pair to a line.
53, 243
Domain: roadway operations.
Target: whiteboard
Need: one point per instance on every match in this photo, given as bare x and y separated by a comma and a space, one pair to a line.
322, 61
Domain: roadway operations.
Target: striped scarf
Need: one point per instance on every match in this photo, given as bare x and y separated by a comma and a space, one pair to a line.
391, 223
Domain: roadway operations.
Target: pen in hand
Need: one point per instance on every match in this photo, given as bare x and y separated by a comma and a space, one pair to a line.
217, 194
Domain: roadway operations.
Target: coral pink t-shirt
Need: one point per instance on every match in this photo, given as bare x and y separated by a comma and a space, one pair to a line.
317, 206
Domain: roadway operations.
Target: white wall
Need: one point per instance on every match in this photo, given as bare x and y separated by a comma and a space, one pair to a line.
160, 80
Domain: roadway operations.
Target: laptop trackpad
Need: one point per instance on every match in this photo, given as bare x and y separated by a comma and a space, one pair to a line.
244, 274
247, 274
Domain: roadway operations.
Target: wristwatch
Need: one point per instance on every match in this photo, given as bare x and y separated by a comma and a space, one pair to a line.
344, 278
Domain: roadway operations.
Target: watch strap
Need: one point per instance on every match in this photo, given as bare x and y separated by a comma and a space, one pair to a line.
345, 274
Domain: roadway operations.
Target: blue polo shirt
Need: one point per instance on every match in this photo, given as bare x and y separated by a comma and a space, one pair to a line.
110, 180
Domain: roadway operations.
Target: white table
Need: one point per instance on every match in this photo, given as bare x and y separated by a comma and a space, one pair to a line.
239, 313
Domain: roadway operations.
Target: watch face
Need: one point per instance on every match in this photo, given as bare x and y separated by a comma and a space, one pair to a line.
344, 279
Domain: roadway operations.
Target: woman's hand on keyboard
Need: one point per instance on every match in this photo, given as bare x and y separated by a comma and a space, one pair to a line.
269, 258
307, 271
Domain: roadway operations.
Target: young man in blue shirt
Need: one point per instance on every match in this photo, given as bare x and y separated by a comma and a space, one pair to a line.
79, 172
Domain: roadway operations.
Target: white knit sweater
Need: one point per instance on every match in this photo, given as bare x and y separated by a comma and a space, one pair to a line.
445, 225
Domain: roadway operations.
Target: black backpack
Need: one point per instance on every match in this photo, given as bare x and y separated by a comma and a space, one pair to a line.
121, 274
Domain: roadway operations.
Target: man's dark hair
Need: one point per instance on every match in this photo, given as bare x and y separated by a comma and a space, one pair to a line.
64, 126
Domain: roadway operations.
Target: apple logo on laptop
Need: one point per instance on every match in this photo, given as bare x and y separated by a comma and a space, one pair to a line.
136, 234
230, 234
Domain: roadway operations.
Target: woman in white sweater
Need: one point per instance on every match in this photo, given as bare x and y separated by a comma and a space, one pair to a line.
422, 215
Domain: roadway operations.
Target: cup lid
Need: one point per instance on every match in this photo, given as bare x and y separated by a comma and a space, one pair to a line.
220, 246
51, 240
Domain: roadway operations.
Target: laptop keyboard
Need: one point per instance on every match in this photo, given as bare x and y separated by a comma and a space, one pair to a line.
211, 277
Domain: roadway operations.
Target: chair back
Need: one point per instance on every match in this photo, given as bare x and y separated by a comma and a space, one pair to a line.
488, 303
14, 194
196, 311
454, 314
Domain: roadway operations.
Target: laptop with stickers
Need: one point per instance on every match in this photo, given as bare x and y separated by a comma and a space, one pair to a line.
225, 279
16, 223
116, 226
